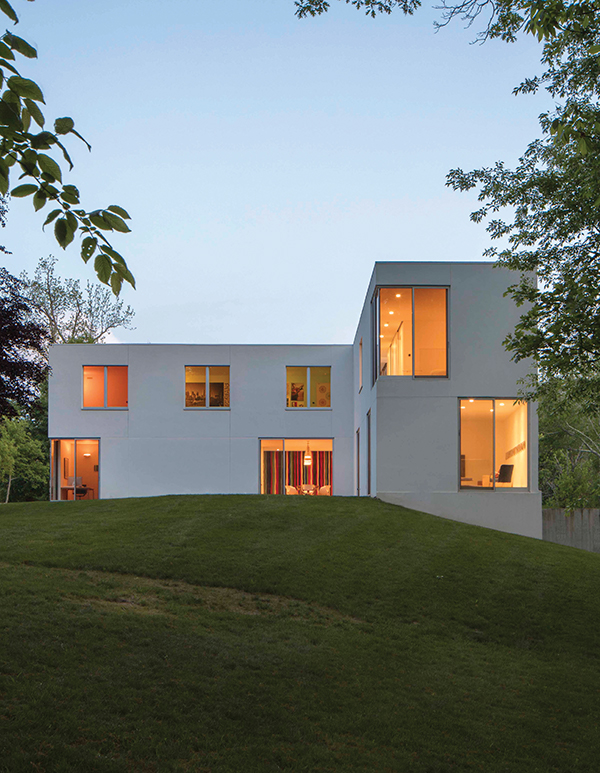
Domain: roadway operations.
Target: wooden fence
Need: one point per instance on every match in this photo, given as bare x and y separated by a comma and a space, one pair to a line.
575, 528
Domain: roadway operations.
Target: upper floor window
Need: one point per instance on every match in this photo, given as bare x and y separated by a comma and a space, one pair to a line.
493, 443
105, 386
412, 331
202, 381
360, 365
308, 387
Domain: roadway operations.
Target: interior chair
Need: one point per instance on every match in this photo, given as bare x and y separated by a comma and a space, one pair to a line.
505, 474
309, 488
325, 491
291, 490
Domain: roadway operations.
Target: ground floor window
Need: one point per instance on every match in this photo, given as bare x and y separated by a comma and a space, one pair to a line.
74, 469
296, 466
493, 443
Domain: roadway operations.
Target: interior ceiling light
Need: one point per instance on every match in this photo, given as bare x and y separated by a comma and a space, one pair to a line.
391, 312
501, 403
398, 295
385, 324
87, 454
462, 407
491, 410
471, 400
381, 336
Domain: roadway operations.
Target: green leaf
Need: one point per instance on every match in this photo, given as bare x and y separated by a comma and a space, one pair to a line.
8, 116
97, 219
3, 185
60, 232
594, 49
125, 273
25, 88
85, 142
35, 111
23, 190
52, 216
5, 51
116, 222
25, 119
42, 141
39, 199
88, 247
119, 211
7, 66
49, 166
113, 254
7, 10
115, 282
20, 45
65, 154
103, 267
63, 125
69, 196
72, 221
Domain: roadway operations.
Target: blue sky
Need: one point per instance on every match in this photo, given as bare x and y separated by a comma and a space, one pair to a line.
267, 161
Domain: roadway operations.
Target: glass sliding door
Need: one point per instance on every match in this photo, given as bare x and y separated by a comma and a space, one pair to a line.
297, 466
74, 469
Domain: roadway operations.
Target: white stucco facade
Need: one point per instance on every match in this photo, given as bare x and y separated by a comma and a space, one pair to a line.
158, 446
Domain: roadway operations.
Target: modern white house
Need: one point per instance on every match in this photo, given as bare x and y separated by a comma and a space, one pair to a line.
420, 410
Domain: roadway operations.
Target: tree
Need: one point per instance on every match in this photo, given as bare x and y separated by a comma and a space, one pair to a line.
22, 458
23, 365
21, 146
70, 314
550, 224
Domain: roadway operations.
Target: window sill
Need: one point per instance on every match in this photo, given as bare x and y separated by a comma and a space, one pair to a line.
507, 490
199, 408
102, 408
314, 410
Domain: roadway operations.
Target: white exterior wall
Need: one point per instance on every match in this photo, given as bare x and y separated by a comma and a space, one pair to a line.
157, 446
415, 421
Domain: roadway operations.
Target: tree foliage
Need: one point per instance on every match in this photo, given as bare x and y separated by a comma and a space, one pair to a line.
23, 343
72, 314
546, 214
22, 459
24, 140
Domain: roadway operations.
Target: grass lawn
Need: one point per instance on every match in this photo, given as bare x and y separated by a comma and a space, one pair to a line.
246, 633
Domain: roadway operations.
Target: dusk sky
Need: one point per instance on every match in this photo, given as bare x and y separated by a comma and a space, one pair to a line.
267, 162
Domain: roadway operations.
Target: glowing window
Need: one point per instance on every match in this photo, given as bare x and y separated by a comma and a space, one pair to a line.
493, 443
105, 386
308, 387
412, 331
207, 381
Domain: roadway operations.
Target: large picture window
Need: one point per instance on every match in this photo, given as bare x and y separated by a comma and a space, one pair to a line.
296, 466
204, 382
105, 386
308, 387
411, 324
493, 443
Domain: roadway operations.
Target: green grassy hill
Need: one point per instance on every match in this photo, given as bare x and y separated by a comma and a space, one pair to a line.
226, 633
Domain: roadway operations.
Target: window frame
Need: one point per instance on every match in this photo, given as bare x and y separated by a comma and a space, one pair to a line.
376, 319
283, 439
518, 490
308, 407
104, 407
206, 407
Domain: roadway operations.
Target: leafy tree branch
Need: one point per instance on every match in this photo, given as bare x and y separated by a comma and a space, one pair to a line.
23, 138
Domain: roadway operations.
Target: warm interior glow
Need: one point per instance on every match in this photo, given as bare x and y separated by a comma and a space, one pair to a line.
93, 386
116, 386
430, 331
395, 348
284, 467
74, 469
485, 463
195, 386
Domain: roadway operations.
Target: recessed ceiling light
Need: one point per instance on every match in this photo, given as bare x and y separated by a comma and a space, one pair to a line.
398, 295
491, 410
471, 400
385, 324
391, 312
462, 407
501, 403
